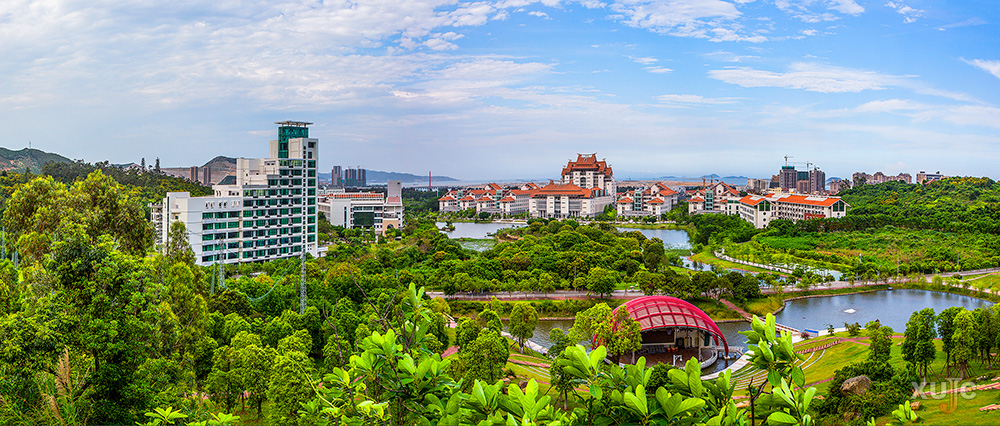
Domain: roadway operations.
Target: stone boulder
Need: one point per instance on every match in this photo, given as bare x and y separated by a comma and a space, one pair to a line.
856, 385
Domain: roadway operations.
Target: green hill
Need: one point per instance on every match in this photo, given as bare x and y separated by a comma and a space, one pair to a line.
32, 159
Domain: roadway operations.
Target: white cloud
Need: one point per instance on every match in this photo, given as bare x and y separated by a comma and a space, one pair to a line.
992, 67
658, 70
645, 60
814, 11
810, 77
910, 14
539, 14
695, 100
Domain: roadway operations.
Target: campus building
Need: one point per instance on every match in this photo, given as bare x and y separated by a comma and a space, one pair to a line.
490, 198
268, 213
718, 197
653, 200
587, 186
924, 177
761, 210
365, 210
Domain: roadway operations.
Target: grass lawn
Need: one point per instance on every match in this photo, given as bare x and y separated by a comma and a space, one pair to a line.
709, 258
715, 309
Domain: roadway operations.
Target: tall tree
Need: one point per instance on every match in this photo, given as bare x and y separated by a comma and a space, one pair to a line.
586, 323
964, 341
945, 329
523, 319
918, 343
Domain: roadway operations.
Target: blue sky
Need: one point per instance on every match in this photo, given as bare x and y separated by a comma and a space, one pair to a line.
512, 88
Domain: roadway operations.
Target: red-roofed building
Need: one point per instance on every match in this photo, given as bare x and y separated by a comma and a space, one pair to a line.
673, 330
719, 197
761, 210
490, 198
587, 186
654, 200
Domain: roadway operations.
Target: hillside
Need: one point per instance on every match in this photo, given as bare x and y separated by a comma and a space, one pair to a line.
33, 159
955, 205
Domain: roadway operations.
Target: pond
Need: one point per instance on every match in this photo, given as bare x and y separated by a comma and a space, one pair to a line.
673, 239
477, 231
890, 307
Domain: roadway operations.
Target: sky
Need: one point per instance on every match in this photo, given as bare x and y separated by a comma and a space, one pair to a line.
512, 89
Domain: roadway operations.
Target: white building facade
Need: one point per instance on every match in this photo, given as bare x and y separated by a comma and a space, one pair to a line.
365, 210
270, 213
761, 210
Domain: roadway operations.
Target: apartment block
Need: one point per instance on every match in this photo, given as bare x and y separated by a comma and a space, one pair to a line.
268, 213
653, 200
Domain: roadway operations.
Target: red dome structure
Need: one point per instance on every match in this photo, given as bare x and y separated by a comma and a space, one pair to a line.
669, 313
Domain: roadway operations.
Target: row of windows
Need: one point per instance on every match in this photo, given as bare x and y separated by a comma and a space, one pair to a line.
220, 215
272, 212
259, 233
292, 182
271, 192
272, 202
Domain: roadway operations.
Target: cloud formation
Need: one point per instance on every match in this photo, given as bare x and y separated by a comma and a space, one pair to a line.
992, 67
807, 76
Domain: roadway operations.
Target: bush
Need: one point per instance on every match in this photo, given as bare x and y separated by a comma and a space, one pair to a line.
853, 329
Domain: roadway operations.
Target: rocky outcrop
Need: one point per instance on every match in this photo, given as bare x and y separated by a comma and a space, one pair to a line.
856, 385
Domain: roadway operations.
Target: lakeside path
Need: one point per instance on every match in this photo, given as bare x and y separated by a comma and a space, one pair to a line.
632, 294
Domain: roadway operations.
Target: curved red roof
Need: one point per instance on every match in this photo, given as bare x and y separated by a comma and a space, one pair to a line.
653, 312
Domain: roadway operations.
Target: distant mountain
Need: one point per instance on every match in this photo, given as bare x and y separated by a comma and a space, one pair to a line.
32, 159
378, 177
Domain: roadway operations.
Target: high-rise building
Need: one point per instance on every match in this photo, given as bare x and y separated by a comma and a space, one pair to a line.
269, 213
337, 177
817, 180
194, 174
787, 178
206, 176
355, 178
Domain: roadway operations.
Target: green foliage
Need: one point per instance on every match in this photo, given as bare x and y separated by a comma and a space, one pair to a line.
523, 319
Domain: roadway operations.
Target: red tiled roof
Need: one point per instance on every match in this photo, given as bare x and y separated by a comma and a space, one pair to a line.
467, 198
655, 201
394, 200
666, 191
521, 191
626, 200
805, 199
507, 199
564, 189
587, 162
447, 198
494, 186
752, 200
697, 200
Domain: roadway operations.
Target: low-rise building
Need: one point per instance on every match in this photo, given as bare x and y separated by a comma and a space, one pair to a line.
654, 200
365, 210
718, 197
924, 177
761, 210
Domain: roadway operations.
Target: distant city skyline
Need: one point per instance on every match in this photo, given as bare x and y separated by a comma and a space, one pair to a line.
502, 90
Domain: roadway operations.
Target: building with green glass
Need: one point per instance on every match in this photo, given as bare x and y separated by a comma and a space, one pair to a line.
269, 213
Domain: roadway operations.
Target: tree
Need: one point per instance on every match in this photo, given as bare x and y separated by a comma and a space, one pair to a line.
287, 388
466, 332
881, 341
620, 333
178, 249
918, 343
945, 329
223, 382
253, 368
601, 281
586, 323
490, 319
485, 357
523, 319
964, 341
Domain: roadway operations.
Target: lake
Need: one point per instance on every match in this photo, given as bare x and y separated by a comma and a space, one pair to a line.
476, 230
890, 307
673, 239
